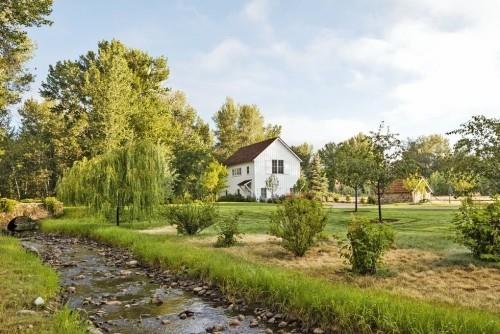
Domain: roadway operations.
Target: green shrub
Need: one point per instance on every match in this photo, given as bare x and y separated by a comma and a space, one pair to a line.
363, 200
336, 198
192, 218
53, 206
7, 205
371, 200
478, 228
298, 221
228, 230
367, 243
347, 198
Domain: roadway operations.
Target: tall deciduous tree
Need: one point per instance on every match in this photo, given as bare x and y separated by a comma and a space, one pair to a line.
427, 153
318, 184
355, 163
15, 45
239, 125
386, 148
477, 152
133, 179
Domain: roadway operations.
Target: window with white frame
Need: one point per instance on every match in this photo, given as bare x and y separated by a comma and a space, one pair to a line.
278, 167
236, 171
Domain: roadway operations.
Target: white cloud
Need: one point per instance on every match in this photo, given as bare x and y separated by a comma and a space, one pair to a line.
435, 64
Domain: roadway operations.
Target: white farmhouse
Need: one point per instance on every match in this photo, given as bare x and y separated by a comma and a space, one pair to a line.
250, 166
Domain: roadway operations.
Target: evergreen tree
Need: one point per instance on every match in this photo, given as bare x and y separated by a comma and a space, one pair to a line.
318, 184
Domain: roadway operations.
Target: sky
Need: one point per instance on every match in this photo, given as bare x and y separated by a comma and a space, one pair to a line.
323, 69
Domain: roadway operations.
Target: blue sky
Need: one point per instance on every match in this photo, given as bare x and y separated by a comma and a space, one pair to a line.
324, 69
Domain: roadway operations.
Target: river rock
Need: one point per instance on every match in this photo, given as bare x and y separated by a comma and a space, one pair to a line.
39, 301
234, 322
318, 331
132, 263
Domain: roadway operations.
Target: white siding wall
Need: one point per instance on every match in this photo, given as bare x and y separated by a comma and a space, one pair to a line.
232, 181
276, 151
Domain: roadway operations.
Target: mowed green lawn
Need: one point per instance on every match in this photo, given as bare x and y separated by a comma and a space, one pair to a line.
416, 226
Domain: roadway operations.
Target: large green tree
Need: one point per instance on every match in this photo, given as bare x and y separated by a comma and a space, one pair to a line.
238, 125
428, 154
477, 152
355, 162
131, 180
16, 47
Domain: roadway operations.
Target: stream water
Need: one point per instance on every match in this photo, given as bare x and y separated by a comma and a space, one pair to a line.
119, 296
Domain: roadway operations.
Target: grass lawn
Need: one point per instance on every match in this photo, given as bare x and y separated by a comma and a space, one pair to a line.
22, 279
425, 262
333, 305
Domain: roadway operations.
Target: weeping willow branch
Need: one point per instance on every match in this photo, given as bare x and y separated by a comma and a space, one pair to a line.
134, 179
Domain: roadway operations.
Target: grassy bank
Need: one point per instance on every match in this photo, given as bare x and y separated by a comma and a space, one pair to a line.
22, 279
335, 306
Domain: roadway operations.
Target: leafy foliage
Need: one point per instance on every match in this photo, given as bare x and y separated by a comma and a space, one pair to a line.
355, 163
213, 180
477, 152
16, 47
192, 218
478, 228
228, 230
367, 243
53, 206
134, 178
7, 205
298, 222
238, 126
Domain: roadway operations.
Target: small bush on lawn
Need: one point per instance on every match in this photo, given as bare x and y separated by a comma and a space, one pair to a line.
347, 198
478, 228
53, 206
7, 205
367, 243
192, 218
228, 230
298, 221
362, 200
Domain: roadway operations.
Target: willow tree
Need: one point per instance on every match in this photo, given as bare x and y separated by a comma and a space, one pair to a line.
133, 179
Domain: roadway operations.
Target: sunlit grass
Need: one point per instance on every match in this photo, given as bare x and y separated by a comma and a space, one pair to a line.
22, 279
335, 306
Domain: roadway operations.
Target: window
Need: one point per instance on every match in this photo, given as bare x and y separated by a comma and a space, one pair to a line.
278, 167
263, 192
236, 171
248, 169
238, 191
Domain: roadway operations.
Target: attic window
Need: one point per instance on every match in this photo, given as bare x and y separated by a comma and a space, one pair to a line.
236, 171
278, 167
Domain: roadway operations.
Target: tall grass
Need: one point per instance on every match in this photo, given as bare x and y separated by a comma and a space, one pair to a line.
22, 279
338, 307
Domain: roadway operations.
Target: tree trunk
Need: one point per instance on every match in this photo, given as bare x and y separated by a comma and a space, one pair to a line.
379, 195
356, 199
118, 215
